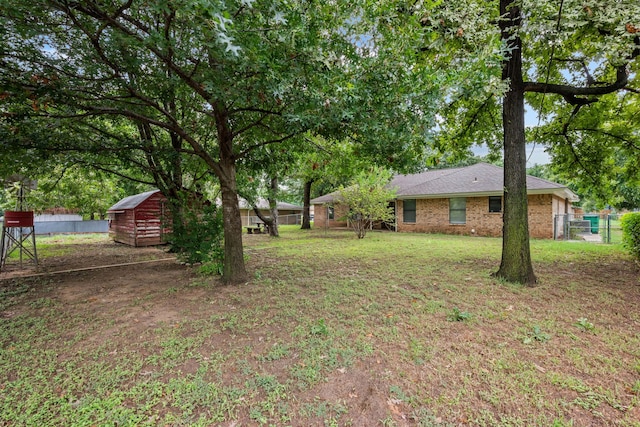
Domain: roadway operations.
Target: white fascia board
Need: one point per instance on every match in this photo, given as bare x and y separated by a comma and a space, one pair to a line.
450, 195
563, 193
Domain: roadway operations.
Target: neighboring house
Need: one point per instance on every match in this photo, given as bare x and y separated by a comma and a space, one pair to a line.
138, 220
466, 200
287, 213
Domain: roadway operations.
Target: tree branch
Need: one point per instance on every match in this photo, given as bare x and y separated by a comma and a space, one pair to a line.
625, 141
262, 144
572, 93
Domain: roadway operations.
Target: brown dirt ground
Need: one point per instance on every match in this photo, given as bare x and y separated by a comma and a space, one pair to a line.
106, 290
112, 274
107, 293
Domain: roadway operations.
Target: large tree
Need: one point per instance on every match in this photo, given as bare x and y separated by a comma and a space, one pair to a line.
582, 34
225, 79
555, 56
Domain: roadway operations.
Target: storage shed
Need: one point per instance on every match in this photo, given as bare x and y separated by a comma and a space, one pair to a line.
138, 220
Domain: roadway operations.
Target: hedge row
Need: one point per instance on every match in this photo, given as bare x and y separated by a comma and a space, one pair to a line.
630, 224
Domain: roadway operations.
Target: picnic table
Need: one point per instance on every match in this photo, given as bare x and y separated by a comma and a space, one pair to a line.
257, 228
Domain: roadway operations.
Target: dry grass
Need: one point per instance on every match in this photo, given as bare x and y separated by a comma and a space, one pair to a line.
395, 329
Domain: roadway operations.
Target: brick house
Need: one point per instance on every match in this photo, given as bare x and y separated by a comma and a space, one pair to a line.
466, 200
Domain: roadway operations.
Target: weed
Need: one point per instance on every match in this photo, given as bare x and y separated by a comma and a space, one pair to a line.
423, 417
319, 328
257, 415
536, 334
314, 325
17, 289
388, 422
398, 394
277, 352
458, 316
211, 268
416, 351
560, 422
584, 324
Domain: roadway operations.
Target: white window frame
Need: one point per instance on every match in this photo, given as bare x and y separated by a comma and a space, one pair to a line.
458, 210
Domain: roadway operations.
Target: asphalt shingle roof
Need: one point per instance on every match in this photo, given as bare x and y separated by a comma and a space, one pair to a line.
478, 178
481, 178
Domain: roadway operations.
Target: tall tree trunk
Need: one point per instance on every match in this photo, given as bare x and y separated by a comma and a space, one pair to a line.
306, 216
234, 269
271, 221
273, 207
516, 256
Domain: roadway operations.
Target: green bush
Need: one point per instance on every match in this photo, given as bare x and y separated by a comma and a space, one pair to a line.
197, 235
630, 224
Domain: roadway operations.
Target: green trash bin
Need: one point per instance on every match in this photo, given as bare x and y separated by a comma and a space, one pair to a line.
594, 220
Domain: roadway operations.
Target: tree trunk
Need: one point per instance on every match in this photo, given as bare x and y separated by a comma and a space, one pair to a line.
273, 207
234, 269
272, 221
516, 256
306, 216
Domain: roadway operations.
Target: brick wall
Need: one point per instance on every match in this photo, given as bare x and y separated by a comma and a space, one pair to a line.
320, 216
541, 216
432, 216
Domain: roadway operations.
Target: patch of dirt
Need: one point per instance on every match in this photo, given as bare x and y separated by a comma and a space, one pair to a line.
82, 256
103, 279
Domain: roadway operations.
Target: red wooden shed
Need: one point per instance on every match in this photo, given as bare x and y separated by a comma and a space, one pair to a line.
139, 220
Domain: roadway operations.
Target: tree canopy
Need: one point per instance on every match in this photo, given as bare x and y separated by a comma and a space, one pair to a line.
563, 59
220, 80
188, 88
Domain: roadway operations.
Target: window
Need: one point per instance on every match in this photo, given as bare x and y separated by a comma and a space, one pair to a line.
330, 212
409, 210
495, 204
458, 210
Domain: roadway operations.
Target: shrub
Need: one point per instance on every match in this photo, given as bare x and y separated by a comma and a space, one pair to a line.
197, 235
630, 224
368, 200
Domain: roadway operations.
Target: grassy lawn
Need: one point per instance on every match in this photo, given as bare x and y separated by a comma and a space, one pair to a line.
393, 330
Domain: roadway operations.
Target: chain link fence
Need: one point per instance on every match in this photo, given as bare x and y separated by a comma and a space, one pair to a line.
598, 228
293, 219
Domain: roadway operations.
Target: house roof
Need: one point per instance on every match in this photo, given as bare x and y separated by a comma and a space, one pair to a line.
327, 198
481, 179
131, 202
264, 204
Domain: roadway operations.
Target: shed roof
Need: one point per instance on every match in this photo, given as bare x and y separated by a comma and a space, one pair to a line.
131, 202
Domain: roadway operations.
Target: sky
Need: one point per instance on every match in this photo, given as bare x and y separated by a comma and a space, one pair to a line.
535, 152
